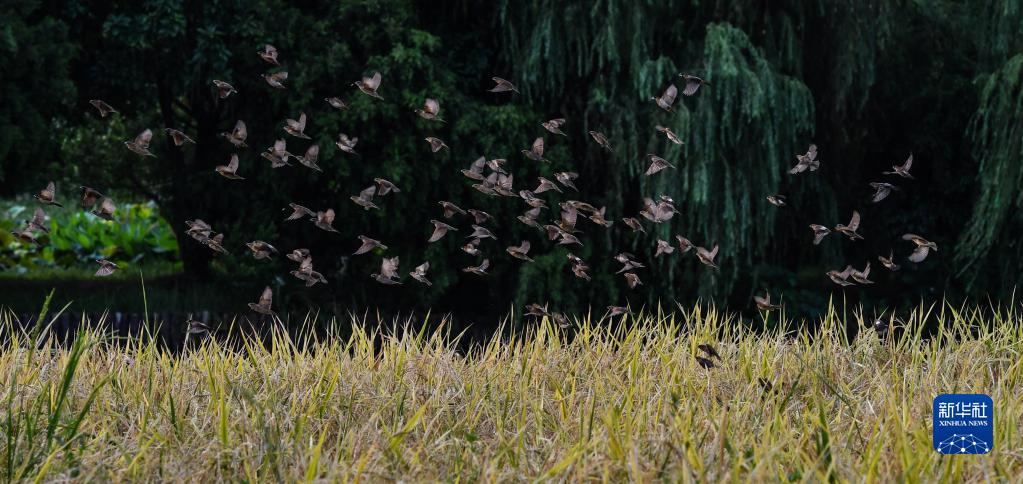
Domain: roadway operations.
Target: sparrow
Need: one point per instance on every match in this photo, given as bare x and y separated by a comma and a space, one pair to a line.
265, 301
278, 154
861, 276
597, 217
902, 170
663, 247
223, 89
850, 230
632, 280
229, 170
545, 185
346, 144
308, 160
601, 140
613, 311
888, 262
707, 256
261, 250
450, 209
501, 85
325, 220
388, 271
554, 126
479, 216
535, 152
520, 251
419, 273
269, 54
819, 232
140, 145
105, 210
178, 137
38, 221
298, 211
881, 190
693, 84
841, 278
430, 110
806, 161
368, 244
336, 102
923, 247
369, 85
776, 200
684, 245
764, 303
657, 164
565, 178
670, 134
665, 100
89, 196
296, 127
480, 270
439, 230
384, 186
276, 79
365, 198
105, 268
103, 108
238, 135
435, 144
46, 195
709, 350
634, 224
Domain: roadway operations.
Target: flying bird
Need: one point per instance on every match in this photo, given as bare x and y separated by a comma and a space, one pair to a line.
601, 140
230, 170
388, 271
776, 200
554, 126
666, 99
223, 89
841, 278
265, 301
707, 256
89, 196
269, 54
480, 270
657, 164
346, 144
764, 303
565, 178
850, 230
276, 79
806, 161
178, 137
369, 85
105, 210
103, 108
38, 221
923, 247
439, 230
237, 135
385, 186
308, 160
106, 268
278, 154
693, 84
501, 85
670, 134
535, 152
368, 244
819, 232
479, 216
325, 220
140, 145
632, 280
889, 262
430, 110
861, 277
881, 191
46, 195
520, 251
419, 273
634, 224
663, 247
435, 144
296, 127
450, 209
261, 250
298, 211
336, 102
902, 170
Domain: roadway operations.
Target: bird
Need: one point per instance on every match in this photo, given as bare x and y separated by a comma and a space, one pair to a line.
298, 211
764, 303
598, 217
105, 210
369, 85
265, 302
806, 161
628, 262
215, 243
298, 255
308, 160
140, 145
89, 196
25, 235
336, 102
707, 256
178, 137
861, 277
296, 127
479, 232
531, 199
554, 126
670, 134
106, 268
658, 212
38, 221
278, 154
230, 170
479, 216
501, 85
46, 195
666, 99
435, 144
850, 230
223, 89
704, 362
261, 250
536, 310
385, 186
776, 200
881, 191
663, 247
535, 151
634, 224
324, 220
841, 278
520, 251
419, 273
480, 270
632, 280
306, 273
613, 311
269, 54
684, 245
819, 232
693, 84
368, 244
709, 350
365, 198
439, 230
430, 110
346, 144
565, 178
472, 248
657, 164
529, 218
237, 135
889, 262
388, 271
902, 170
193, 326
450, 209
601, 140
545, 185
276, 79
923, 247
103, 108
475, 171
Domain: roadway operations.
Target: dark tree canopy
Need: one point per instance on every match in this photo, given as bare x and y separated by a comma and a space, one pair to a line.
868, 82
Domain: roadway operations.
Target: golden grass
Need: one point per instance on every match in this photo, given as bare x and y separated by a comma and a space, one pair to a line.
599, 404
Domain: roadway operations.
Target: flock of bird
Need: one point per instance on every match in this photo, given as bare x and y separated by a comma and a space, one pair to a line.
492, 178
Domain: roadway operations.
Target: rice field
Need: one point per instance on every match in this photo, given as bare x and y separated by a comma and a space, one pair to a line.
600, 400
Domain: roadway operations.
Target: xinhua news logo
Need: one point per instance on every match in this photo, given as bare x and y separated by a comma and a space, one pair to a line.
963, 424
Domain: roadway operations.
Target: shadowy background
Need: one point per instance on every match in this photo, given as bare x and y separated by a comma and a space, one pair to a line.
868, 82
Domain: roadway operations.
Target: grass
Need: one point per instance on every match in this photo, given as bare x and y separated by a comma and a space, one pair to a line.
604, 400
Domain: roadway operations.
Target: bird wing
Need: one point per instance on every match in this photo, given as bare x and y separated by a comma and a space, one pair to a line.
537, 147
372, 82
233, 164
669, 95
240, 131
266, 299
431, 106
854, 223
144, 138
